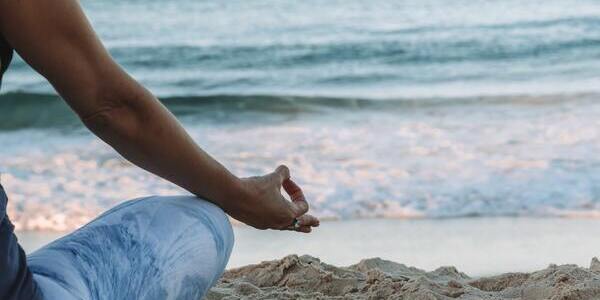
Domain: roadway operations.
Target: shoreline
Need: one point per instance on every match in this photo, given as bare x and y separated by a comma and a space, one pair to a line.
518, 244
594, 216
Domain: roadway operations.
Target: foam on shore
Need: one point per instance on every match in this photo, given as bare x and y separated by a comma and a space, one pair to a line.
519, 156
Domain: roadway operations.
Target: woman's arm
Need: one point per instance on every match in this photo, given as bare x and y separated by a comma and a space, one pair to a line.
56, 39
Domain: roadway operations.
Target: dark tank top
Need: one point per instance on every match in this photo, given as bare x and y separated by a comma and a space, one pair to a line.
6, 54
16, 281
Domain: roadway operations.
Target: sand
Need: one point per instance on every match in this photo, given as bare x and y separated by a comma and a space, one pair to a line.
306, 277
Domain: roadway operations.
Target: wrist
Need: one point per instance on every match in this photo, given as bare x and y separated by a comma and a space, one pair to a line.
234, 193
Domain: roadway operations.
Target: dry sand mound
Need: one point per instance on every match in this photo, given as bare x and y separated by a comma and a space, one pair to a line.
306, 277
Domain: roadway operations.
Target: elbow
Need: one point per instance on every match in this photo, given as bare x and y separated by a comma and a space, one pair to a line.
110, 123
124, 112
113, 124
117, 119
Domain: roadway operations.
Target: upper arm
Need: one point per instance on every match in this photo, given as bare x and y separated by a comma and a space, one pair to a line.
56, 39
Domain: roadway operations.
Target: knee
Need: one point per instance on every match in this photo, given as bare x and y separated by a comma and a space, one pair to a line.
168, 220
172, 213
202, 221
201, 233
188, 240
199, 211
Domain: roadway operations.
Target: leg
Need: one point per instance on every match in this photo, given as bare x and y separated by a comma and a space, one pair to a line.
152, 248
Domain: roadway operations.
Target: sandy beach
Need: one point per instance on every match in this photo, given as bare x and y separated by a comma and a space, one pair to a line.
477, 258
307, 277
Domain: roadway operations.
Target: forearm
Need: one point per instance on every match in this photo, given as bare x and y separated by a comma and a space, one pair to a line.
56, 39
141, 129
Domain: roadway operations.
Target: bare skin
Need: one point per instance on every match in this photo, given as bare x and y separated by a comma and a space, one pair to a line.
56, 39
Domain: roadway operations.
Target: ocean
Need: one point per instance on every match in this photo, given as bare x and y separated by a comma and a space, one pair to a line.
382, 109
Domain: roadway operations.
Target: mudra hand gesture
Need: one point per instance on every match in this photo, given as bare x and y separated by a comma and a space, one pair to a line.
264, 207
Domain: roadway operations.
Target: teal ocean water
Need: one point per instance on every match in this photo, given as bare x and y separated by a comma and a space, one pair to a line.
399, 109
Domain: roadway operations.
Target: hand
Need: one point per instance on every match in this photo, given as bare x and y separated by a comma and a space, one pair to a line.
262, 205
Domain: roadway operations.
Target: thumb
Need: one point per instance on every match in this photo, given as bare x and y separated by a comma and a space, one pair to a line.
281, 174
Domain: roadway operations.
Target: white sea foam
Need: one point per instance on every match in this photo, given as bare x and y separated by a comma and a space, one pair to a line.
534, 158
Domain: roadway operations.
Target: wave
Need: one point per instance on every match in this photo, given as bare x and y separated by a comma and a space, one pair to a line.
392, 52
416, 45
20, 110
314, 58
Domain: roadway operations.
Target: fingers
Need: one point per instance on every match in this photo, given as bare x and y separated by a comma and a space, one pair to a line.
282, 173
305, 229
308, 220
299, 203
305, 224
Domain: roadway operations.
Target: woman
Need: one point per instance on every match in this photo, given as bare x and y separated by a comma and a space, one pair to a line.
151, 248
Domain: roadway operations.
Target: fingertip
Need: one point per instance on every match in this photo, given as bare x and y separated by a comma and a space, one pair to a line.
283, 171
305, 229
301, 207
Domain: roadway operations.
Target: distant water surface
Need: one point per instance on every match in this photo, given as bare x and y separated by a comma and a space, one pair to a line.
400, 109
352, 48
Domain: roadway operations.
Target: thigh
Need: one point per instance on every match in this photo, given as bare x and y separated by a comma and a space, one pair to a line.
151, 248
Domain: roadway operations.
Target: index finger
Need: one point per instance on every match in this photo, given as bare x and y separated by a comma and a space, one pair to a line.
297, 196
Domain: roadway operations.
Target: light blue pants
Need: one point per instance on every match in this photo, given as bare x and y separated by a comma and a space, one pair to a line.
149, 248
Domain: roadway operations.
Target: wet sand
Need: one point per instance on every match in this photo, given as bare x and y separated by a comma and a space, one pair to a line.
477, 246
482, 248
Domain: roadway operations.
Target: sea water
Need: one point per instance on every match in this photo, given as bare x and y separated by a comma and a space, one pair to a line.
382, 109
